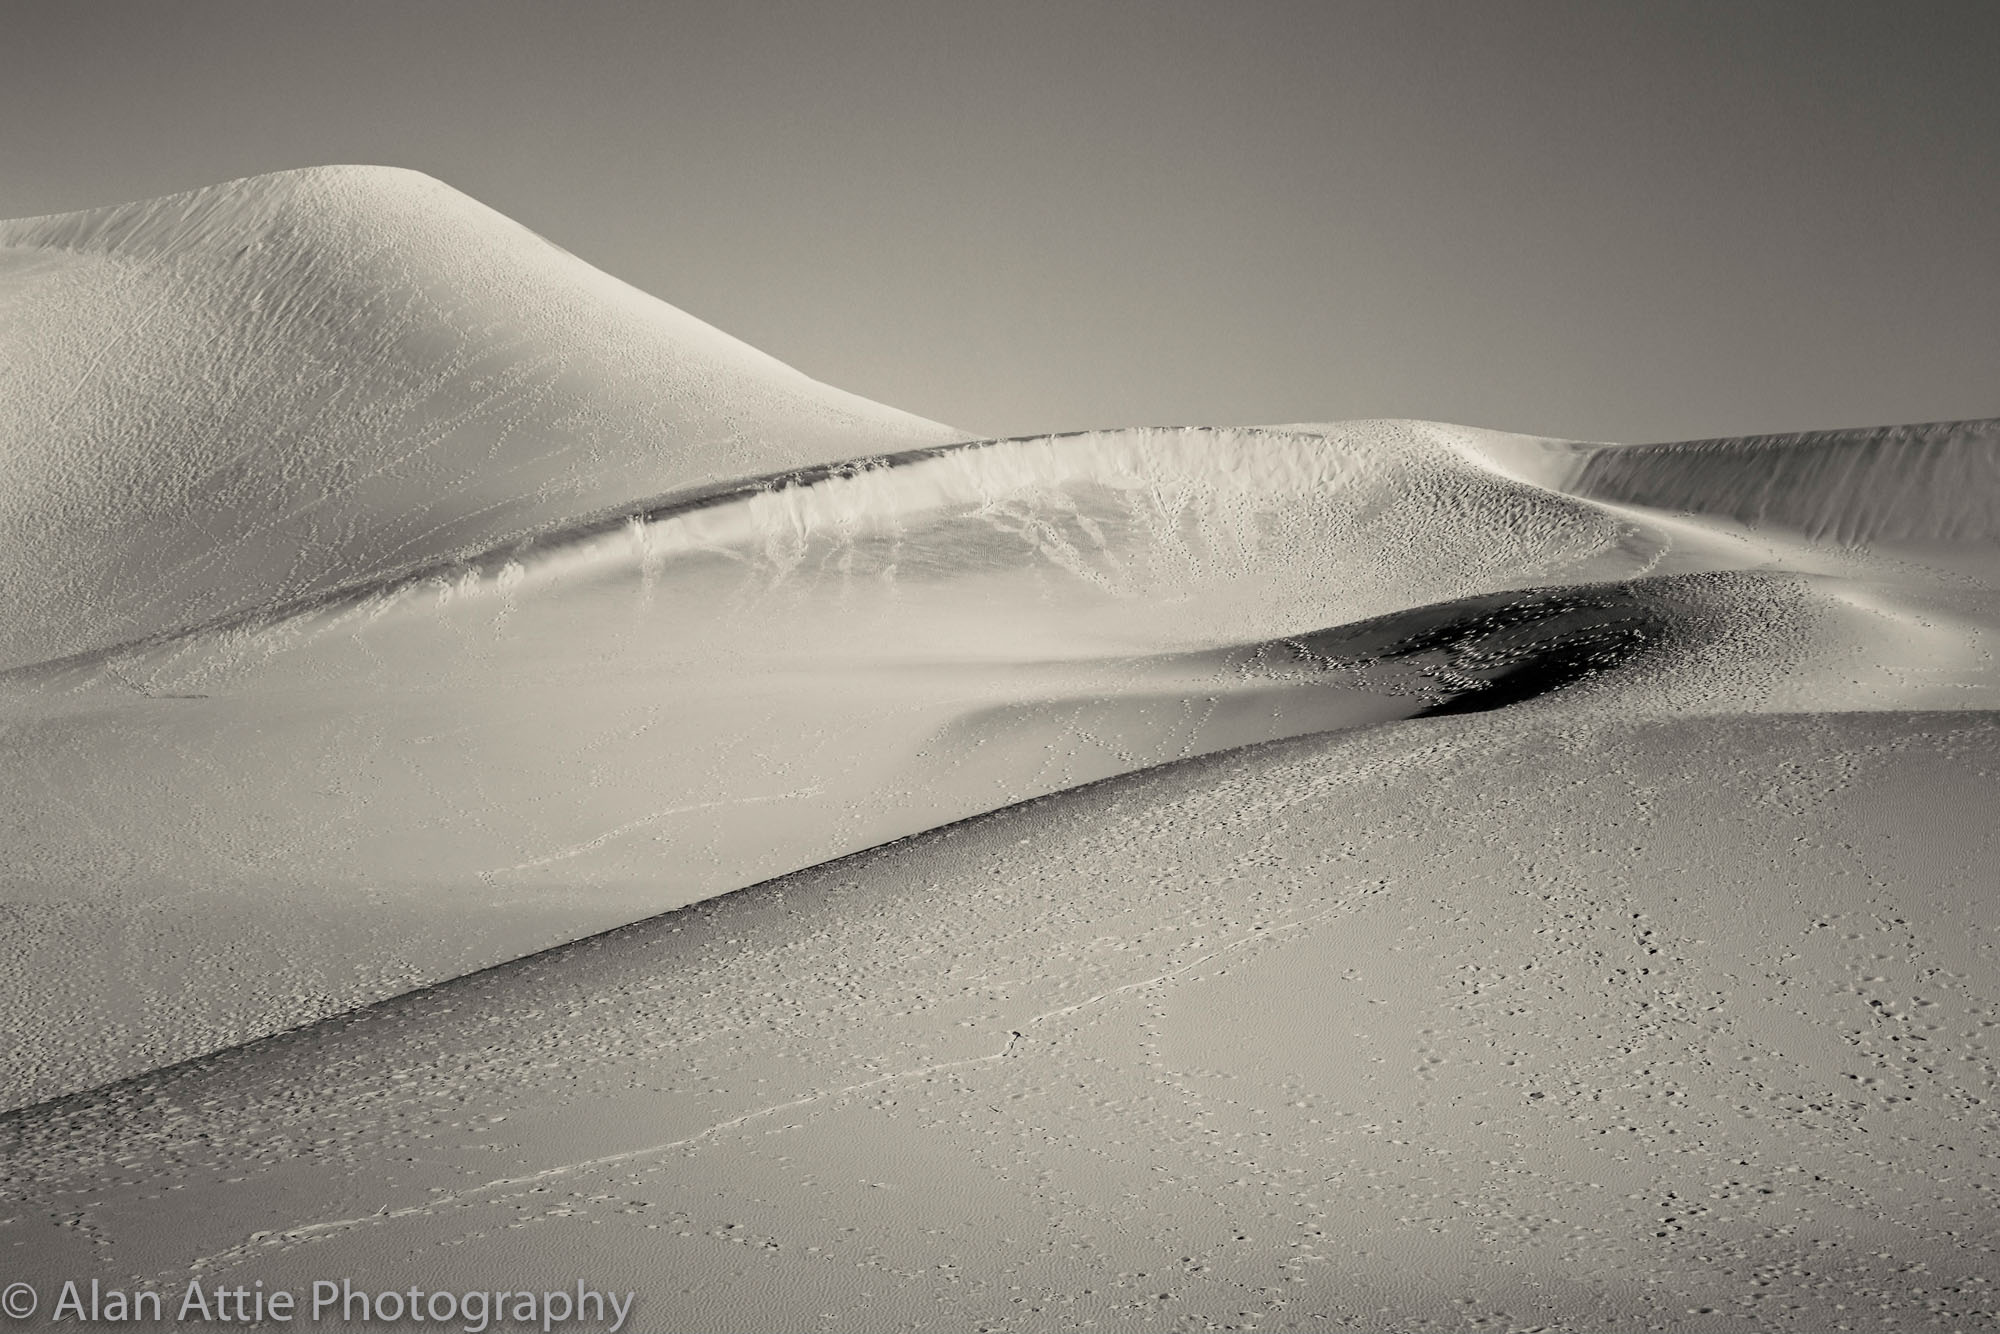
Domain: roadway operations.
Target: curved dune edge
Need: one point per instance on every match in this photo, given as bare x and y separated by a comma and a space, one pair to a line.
1928, 485
1927, 481
1383, 874
762, 677
236, 398
1933, 482
158, 990
1651, 1060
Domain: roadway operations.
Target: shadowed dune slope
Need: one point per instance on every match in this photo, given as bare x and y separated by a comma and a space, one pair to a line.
1933, 482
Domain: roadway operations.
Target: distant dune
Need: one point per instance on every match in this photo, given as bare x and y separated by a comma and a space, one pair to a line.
264, 389
1938, 482
1373, 874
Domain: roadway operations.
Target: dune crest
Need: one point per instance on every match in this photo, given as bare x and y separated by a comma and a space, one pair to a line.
1932, 482
486, 751
662, 703
239, 396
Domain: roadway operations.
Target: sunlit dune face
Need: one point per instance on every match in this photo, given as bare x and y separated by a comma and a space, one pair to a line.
497, 769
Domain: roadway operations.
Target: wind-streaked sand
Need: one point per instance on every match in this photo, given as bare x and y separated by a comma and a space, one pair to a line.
1462, 881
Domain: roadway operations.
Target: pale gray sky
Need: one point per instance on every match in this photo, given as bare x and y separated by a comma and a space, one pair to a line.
1597, 219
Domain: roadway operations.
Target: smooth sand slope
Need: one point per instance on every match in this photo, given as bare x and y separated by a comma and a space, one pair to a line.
436, 773
230, 399
1530, 1019
1603, 941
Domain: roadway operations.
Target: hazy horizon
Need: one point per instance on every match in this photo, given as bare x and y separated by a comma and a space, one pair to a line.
1598, 221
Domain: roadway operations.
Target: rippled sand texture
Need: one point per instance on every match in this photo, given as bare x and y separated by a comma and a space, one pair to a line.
1604, 939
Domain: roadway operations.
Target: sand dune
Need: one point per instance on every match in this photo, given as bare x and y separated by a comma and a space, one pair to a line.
1541, 1018
1936, 482
231, 398
630, 716
1463, 878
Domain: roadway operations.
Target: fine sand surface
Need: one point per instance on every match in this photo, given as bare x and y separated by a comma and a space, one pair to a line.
1383, 875
1519, 1020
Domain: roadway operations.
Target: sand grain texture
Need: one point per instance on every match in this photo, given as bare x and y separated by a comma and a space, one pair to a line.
1377, 875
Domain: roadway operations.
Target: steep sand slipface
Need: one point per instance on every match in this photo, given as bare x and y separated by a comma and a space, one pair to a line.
1881, 487
1898, 528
